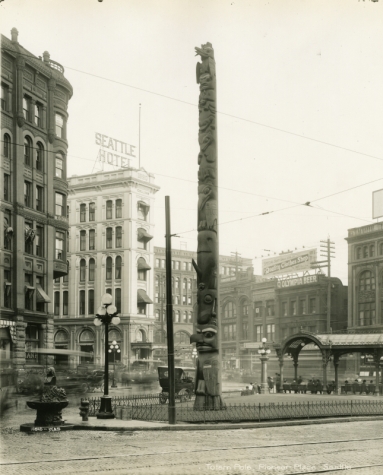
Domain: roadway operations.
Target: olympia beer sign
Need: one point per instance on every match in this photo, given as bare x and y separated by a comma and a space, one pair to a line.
117, 153
289, 263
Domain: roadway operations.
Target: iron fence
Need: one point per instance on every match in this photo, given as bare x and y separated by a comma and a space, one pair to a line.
241, 412
123, 401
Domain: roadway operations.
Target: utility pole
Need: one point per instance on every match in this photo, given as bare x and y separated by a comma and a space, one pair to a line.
236, 254
328, 249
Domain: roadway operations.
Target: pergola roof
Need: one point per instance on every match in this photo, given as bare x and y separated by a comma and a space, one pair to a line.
351, 339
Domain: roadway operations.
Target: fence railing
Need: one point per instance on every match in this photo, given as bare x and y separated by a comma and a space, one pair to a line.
246, 412
122, 401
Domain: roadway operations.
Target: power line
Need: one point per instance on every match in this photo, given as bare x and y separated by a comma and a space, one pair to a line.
218, 112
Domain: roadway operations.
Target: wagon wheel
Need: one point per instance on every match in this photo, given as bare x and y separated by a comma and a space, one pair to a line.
183, 395
163, 398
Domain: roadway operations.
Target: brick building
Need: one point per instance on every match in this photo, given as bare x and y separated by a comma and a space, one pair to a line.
33, 223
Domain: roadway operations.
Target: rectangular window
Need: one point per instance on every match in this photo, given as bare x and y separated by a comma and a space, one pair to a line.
118, 208
184, 300
313, 305
189, 300
60, 204
90, 301
59, 166
29, 235
8, 230
118, 236
109, 209
57, 303
7, 288
92, 208
59, 126
141, 275
59, 245
7, 187
284, 309
258, 333
270, 332
83, 213
4, 97
39, 198
82, 302
82, 240
158, 262
29, 291
270, 308
245, 329
109, 238
65, 302
302, 307
38, 115
39, 241
28, 194
293, 307
117, 300
26, 108
92, 235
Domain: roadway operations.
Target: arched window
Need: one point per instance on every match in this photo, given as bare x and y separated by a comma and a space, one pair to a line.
117, 299
40, 157
358, 253
184, 284
83, 213
140, 336
92, 208
109, 238
92, 241
230, 311
109, 266
365, 251
87, 345
366, 281
109, 209
185, 317
181, 338
82, 270
90, 301
82, 240
28, 151
177, 283
118, 236
91, 269
189, 284
118, 267
7, 146
244, 308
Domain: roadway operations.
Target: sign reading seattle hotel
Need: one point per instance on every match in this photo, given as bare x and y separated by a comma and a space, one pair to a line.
117, 152
289, 263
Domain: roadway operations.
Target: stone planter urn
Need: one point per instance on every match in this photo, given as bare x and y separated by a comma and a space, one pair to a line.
48, 413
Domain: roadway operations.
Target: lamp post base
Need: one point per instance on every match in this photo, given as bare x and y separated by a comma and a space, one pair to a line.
106, 411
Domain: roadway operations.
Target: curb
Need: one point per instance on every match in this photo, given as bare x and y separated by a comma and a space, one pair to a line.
218, 426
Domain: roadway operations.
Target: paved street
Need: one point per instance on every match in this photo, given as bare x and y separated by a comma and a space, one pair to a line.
329, 448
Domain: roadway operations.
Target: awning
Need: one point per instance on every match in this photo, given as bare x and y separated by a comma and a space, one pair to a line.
142, 265
41, 296
29, 289
143, 297
142, 235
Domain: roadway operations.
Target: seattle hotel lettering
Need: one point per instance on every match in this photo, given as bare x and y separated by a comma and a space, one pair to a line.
118, 147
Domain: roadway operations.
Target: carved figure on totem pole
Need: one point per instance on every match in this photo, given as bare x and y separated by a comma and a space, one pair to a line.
208, 386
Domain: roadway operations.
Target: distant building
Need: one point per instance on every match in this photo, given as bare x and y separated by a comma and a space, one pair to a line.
111, 217
33, 222
184, 280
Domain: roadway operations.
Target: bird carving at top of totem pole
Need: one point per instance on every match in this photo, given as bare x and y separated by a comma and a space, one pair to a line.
208, 63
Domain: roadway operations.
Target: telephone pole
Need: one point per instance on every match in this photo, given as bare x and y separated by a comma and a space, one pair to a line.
328, 249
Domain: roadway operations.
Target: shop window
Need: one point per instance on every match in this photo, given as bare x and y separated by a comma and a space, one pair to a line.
91, 269
82, 240
28, 151
82, 213
109, 267
92, 209
32, 343
40, 157
92, 239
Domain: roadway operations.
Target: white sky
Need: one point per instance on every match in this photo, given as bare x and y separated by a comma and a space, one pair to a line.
285, 70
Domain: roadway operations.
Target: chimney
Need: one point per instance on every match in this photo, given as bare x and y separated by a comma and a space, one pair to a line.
14, 35
46, 57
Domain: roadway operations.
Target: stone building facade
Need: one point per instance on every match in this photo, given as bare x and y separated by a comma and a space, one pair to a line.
33, 223
111, 217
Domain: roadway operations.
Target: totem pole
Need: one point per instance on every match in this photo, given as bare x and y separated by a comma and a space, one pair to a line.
208, 388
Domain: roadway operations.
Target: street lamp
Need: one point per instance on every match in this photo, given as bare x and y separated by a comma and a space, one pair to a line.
194, 356
264, 352
106, 314
114, 348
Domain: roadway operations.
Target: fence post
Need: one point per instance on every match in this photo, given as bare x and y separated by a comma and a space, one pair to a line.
259, 412
308, 409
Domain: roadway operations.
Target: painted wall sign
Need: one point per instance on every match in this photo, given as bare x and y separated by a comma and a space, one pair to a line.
307, 279
289, 263
113, 151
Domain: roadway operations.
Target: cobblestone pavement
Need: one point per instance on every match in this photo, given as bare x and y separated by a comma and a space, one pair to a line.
330, 448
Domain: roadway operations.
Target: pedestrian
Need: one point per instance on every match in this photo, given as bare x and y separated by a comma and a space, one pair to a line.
271, 384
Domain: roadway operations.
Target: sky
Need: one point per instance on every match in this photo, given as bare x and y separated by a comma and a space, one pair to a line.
299, 100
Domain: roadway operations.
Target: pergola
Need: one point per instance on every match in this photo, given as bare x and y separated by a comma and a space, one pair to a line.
332, 346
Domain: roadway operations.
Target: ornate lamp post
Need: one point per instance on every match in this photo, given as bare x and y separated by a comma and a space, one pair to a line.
114, 348
106, 314
194, 357
264, 352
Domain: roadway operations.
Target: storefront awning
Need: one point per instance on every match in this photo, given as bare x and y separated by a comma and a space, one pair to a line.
142, 235
41, 296
143, 297
142, 265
